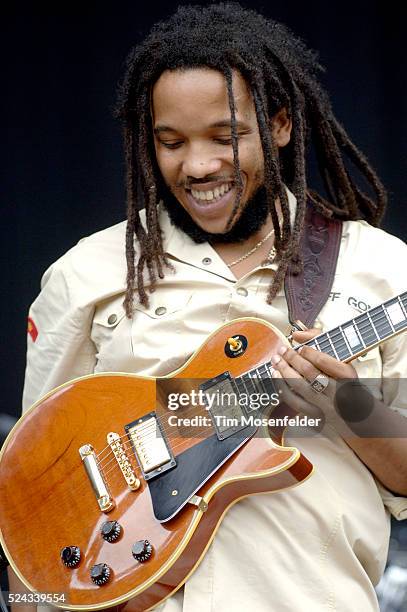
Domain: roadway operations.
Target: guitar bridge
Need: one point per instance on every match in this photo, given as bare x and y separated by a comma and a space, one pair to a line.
103, 497
150, 446
115, 443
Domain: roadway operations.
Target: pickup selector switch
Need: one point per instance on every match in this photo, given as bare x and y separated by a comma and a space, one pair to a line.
142, 550
100, 574
111, 530
70, 556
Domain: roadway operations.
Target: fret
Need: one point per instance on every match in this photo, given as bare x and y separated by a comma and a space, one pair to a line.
340, 345
261, 371
355, 342
402, 306
325, 345
351, 338
243, 395
265, 379
348, 346
381, 322
373, 325
269, 370
332, 345
249, 380
366, 330
240, 385
316, 344
395, 314
246, 391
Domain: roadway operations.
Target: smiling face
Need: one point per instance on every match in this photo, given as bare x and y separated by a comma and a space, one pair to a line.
192, 135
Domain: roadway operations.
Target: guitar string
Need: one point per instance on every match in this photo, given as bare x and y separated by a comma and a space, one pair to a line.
329, 335
166, 429
124, 439
128, 445
83, 486
190, 410
138, 468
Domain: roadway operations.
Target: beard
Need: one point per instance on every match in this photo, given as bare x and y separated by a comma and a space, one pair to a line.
251, 219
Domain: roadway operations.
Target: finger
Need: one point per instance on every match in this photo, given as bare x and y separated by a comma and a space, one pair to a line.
281, 365
294, 400
299, 363
327, 364
304, 336
292, 376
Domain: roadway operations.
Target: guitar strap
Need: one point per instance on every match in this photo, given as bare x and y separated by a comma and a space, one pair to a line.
307, 292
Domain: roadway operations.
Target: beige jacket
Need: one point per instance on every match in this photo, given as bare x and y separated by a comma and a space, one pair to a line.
318, 547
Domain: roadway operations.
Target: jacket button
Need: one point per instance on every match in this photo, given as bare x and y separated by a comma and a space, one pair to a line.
112, 319
161, 310
242, 291
206, 261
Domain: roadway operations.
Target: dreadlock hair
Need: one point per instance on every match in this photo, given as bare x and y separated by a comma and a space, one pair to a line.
281, 73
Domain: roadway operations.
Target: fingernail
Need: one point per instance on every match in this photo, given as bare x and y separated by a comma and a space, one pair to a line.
299, 349
282, 350
275, 358
276, 374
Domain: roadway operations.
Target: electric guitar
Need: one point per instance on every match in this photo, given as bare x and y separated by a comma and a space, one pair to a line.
113, 485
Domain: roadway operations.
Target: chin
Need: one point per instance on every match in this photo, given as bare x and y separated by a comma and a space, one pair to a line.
212, 227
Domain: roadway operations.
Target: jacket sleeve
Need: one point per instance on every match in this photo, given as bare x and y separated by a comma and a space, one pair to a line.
59, 345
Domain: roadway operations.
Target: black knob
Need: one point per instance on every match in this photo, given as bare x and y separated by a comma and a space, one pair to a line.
100, 574
142, 550
111, 531
70, 556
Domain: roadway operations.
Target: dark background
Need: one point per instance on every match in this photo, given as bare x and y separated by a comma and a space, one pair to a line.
62, 163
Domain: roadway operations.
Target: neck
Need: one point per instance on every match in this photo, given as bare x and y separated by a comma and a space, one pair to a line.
244, 256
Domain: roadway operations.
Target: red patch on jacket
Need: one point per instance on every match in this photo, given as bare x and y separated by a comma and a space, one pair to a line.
32, 329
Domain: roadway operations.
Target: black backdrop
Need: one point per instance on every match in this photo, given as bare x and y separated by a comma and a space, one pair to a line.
62, 163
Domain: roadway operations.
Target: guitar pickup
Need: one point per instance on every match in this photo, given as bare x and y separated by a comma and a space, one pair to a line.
150, 446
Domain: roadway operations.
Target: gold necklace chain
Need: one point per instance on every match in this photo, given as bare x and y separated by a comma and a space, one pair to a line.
270, 257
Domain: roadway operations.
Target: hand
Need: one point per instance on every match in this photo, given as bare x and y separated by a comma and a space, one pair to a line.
299, 368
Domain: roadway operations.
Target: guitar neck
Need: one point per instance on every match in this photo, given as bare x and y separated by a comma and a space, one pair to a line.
364, 332
345, 342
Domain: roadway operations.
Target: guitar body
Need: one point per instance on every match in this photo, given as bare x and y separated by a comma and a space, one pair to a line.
47, 501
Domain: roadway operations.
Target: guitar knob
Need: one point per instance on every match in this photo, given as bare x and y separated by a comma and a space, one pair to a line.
142, 550
70, 556
100, 574
111, 530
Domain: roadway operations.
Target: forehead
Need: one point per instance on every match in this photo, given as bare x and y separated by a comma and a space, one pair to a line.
198, 96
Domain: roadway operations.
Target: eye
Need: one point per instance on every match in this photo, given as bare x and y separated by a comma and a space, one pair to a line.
224, 141
171, 145
227, 140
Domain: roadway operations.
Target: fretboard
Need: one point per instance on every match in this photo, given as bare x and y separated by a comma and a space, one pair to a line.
347, 341
365, 331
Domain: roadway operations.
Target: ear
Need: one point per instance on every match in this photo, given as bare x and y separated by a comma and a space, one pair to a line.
281, 125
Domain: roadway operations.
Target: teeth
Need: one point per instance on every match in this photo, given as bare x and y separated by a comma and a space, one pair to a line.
211, 195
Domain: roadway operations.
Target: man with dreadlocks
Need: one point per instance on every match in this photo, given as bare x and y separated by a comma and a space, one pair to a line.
218, 105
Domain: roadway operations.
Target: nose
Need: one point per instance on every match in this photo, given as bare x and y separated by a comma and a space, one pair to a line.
199, 162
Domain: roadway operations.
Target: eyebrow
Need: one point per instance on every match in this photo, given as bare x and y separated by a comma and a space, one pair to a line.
224, 123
